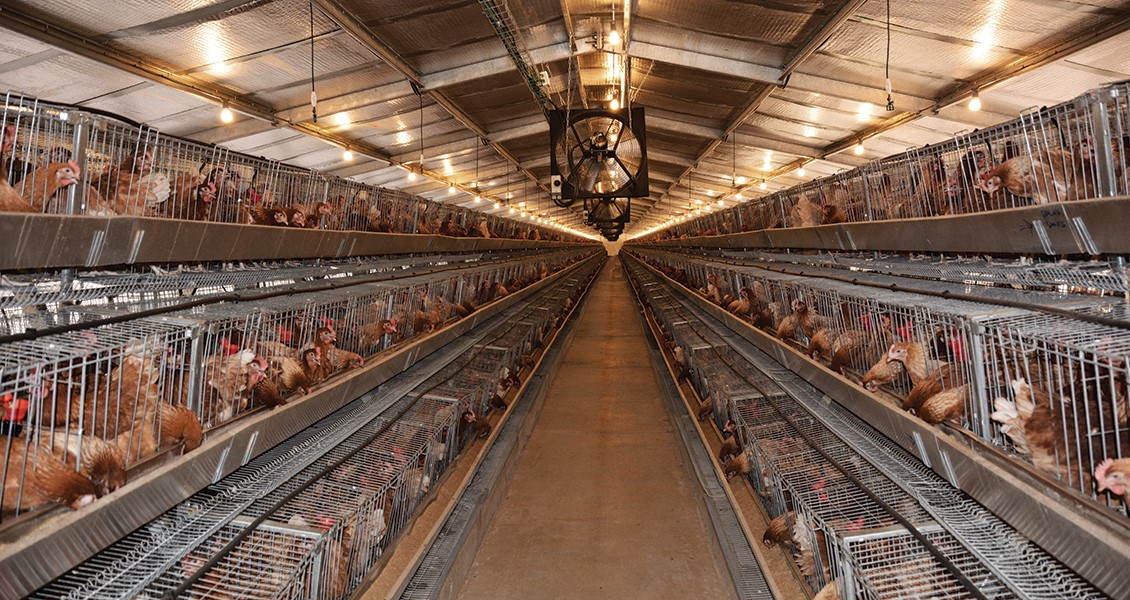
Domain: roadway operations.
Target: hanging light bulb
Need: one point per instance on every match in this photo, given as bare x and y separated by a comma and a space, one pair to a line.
800, 172
226, 114
347, 155
615, 105
411, 176
762, 186
614, 37
975, 102
451, 189
497, 206
859, 148
478, 198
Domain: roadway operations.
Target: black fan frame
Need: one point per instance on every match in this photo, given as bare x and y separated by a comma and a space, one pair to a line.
632, 119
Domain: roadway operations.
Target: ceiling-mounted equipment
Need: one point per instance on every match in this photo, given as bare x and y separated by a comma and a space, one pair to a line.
608, 211
598, 153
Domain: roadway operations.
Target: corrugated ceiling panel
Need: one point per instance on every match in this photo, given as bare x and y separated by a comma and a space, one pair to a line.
872, 75
1110, 55
443, 27
256, 144
267, 26
686, 106
169, 110
909, 54
1015, 24
90, 17
770, 22
1052, 84
67, 79
290, 67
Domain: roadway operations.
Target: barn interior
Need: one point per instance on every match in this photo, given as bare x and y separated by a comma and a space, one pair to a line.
758, 299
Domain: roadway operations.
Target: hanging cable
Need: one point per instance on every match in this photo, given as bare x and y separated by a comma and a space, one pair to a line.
313, 94
890, 101
420, 95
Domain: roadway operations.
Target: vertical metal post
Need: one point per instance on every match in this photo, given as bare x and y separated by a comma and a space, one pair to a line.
1099, 104
979, 421
195, 365
82, 122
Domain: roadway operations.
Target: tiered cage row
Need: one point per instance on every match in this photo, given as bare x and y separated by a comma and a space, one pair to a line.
153, 285
120, 168
313, 517
1076, 150
1091, 277
144, 385
1049, 388
837, 531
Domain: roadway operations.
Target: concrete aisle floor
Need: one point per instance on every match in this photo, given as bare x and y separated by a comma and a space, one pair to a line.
601, 503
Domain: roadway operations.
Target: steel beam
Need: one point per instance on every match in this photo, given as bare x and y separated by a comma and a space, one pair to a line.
687, 57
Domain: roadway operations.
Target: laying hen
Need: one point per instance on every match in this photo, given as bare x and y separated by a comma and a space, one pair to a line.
99, 461
298, 375
264, 391
46, 480
132, 188
738, 465
1114, 475
806, 213
1036, 424
842, 347
265, 215
939, 396
778, 531
43, 183
887, 369
743, 305
1051, 175
10, 199
730, 444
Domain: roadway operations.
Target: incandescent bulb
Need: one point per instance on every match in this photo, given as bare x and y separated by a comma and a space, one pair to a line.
347, 155
975, 102
226, 115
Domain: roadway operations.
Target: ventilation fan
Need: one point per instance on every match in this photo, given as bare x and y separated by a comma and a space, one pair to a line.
597, 154
612, 210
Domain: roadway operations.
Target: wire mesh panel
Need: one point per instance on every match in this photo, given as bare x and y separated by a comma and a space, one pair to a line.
277, 560
1072, 151
1115, 102
828, 513
70, 160
1060, 394
102, 391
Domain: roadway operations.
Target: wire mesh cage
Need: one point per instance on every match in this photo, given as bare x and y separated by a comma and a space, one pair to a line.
277, 560
102, 391
1060, 397
71, 160
827, 501
1072, 151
